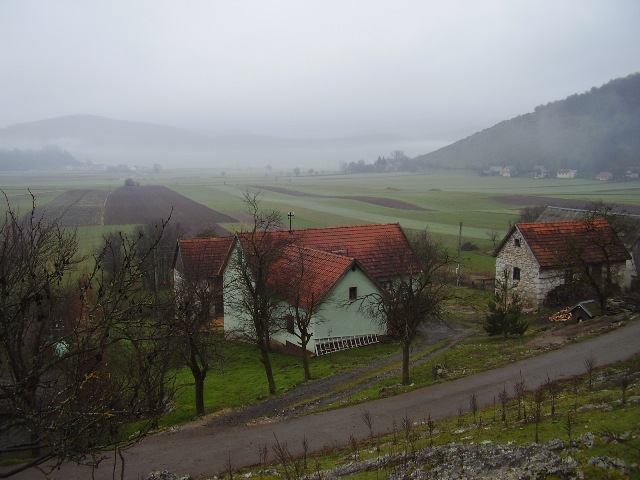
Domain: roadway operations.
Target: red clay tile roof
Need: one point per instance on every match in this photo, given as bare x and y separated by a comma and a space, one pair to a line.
311, 273
382, 249
202, 257
549, 241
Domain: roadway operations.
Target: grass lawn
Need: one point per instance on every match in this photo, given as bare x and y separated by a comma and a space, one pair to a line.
241, 379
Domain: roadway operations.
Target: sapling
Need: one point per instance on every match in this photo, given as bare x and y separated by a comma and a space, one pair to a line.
624, 384
590, 365
473, 405
538, 398
504, 398
431, 427
367, 418
518, 389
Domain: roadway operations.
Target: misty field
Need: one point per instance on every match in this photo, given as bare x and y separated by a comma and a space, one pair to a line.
453, 205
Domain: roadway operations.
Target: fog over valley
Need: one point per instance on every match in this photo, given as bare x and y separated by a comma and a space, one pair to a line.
292, 84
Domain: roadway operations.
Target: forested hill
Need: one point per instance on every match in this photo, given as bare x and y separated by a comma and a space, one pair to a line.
49, 158
595, 131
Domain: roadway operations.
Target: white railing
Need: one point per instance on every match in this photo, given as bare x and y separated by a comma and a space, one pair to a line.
335, 344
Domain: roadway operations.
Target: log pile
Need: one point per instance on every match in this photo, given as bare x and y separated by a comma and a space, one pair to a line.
560, 316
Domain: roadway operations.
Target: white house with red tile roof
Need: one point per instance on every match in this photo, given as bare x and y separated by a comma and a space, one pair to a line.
342, 264
333, 285
535, 254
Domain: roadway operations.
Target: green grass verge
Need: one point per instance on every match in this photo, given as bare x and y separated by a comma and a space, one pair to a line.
600, 426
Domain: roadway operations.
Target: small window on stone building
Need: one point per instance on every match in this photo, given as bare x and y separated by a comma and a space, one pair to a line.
353, 293
516, 274
516, 242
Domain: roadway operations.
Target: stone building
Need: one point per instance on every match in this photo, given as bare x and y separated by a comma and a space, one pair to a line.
541, 256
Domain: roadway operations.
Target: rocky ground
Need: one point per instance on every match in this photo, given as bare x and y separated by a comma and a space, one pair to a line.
455, 461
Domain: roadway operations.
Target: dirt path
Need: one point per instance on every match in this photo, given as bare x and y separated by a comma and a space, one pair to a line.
201, 450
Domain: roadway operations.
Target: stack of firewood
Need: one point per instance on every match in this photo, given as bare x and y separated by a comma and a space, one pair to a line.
560, 316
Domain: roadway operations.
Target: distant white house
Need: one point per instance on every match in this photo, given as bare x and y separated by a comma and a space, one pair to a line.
566, 173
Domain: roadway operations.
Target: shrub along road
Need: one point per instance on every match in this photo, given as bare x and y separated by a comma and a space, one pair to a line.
199, 450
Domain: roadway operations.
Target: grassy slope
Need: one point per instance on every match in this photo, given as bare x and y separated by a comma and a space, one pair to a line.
481, 204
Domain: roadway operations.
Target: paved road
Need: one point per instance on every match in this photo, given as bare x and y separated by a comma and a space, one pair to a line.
201, 450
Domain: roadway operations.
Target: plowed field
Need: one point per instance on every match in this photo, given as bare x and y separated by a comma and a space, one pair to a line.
132, 205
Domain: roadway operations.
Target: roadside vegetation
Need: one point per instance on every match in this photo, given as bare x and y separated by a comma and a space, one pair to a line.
591, 427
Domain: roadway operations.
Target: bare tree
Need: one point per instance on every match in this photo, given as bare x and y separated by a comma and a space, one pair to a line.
196, 297
538, 398
519, 389
503, 395
473, 405
595, 257
493, 236
590, 365
251, 290
416, 296
67, 369
302, 302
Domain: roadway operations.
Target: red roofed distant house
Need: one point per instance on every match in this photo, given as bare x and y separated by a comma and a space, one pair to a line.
341, 266
535, 255
604, 176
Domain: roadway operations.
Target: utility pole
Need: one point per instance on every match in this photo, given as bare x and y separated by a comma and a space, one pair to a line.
459, 250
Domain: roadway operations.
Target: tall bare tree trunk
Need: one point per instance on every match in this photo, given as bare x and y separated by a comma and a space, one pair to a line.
266, 361
406, 348
199, 384
305, 363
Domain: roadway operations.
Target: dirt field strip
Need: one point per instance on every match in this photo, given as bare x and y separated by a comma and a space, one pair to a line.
380, 201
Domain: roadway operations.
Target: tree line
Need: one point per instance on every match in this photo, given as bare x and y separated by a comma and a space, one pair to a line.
47, 158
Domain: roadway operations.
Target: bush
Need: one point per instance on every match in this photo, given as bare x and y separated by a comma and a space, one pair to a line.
469, 247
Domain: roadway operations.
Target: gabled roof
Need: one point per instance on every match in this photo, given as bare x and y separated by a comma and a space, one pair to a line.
382, 249
549, 241
590, 307
202, 257
310, 273
629, 237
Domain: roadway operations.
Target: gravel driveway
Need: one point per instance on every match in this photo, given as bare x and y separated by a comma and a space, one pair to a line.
203, 448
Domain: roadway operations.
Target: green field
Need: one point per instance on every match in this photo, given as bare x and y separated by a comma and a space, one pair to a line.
443, 199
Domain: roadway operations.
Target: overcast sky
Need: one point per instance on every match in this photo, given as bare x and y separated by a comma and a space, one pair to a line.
308, 68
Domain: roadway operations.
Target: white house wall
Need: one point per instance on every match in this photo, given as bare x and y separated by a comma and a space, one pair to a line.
337, 316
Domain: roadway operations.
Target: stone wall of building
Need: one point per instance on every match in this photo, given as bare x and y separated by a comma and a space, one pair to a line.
534, 283
516, 254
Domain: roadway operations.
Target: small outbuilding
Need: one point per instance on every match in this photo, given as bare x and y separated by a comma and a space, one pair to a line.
585, 311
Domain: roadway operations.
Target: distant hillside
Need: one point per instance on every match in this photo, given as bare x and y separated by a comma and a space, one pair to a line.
49, 158
595, 131
77, 131
109, 141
